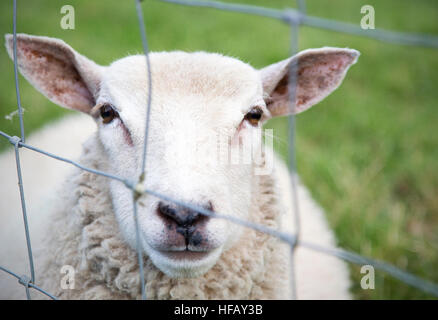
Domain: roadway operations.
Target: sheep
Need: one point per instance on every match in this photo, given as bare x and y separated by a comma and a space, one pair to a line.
187, 255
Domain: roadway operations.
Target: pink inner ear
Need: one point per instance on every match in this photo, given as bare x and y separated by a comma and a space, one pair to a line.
50, 70
318, 75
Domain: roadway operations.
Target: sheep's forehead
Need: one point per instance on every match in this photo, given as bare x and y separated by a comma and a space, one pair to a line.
198, 78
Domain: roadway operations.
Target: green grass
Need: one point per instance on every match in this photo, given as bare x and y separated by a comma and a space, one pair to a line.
368, 153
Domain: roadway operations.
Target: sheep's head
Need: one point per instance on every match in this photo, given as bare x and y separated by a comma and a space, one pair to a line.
206, 109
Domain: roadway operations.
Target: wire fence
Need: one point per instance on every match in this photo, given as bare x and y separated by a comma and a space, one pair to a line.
292, 17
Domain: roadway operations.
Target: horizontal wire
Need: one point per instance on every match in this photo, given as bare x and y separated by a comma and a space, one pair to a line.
242, 8
255, 226
403, 276
294, 16
406, 277
128, 183
410, 39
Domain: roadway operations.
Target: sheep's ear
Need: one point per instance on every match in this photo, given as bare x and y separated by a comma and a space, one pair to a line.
55, 69
318, 71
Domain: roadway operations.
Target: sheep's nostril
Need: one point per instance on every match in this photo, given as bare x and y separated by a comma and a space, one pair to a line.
169, 212
183, 217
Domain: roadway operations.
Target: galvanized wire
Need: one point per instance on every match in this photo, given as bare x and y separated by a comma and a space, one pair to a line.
12, 139
29, 284
17, 87
24, 211
17, 156
139, 247
395, 272
410, 279
142, 176
300, 17
292, 88
144, 42
292, 17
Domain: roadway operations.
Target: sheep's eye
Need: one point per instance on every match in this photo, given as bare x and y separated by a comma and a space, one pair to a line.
254, 116
108, 113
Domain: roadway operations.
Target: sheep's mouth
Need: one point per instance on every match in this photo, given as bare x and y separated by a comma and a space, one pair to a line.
185, 262
185, 255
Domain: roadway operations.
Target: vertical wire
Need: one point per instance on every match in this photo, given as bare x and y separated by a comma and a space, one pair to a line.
28, 297
293, 73
302, 6
17, 88
23, 207
149, 75
17, 153
139, 250
145, 144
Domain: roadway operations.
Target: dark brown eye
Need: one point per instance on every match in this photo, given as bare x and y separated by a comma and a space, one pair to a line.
108, 113
254, 116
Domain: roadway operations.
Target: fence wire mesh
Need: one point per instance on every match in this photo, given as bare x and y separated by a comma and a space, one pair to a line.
294, 18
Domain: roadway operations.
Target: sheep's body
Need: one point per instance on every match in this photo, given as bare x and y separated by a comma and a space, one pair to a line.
84, 233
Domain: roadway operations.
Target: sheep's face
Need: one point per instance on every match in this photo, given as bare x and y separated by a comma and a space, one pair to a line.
204, 140
205, 120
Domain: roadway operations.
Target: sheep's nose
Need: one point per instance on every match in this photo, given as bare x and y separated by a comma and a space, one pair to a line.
182, 216
184, 226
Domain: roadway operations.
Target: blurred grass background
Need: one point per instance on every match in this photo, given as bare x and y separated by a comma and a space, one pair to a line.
368, 153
